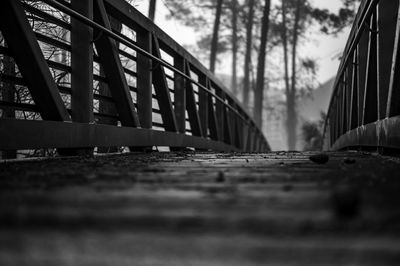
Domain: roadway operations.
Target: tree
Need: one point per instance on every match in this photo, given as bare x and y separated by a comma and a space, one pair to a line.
214, 42
197, 14
234, 10
152, 9
296, 17
312, 133
259, 93
247, 60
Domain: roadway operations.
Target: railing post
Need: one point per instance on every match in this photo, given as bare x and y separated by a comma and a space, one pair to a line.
203, 105
191, 106
248, 137
255, 142
236, 130
82, 64
227, 125
144, 80
219, 109
162, 90
81, 70
362, 69
180, 94
19, 36
393, 105
110, 61
370, 111
354, 88
344, 104
349, 84
212, 116
337, 117
387, 14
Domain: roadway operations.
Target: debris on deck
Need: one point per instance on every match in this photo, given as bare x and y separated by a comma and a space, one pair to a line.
201, 209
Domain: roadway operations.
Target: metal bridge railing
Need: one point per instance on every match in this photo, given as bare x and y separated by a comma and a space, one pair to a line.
97, 73
365, 105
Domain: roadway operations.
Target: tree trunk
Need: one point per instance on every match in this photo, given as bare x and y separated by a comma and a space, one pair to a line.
234, 47
289, 112
291, 100
259, 93
285, 48
214, 42
247, 60
152, 9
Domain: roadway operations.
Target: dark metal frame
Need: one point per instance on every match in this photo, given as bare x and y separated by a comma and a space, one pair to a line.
217, 120
364, 111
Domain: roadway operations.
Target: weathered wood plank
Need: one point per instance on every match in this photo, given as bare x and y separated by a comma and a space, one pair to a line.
201, 209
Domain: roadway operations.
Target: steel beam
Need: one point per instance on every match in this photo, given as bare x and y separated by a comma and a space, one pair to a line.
393, 103
387, 14
191, 106
180, 94
370, 107
212, 117
162, 91
353, 97
144, 80
203, 105
51, 134
25, 50
111, 64
362, 69
227, 126
82, 64
383, 133
219, 112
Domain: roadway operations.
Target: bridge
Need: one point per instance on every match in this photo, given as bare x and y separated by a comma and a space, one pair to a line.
102, 86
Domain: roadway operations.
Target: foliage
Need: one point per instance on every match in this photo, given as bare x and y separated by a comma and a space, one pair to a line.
312, 133
334, 23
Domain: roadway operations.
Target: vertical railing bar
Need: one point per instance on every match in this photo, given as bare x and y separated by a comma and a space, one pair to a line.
82, 64
191, 106
226, 114
370, 112
203, 105
144, 80
111, 64
353, 95
220, 113
212, 122
162, 90
392, 104
180, 94
19, 36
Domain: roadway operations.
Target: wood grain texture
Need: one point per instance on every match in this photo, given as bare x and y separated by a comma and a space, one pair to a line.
201, 209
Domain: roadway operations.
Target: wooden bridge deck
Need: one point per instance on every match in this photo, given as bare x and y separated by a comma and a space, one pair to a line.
201, 209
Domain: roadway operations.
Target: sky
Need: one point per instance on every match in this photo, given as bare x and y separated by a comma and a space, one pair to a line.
325, 49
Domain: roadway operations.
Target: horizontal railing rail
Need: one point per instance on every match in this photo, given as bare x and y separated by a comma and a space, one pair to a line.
108, 77
364, 110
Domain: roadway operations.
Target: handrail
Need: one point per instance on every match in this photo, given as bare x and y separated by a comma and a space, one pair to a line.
353, 46
217, 120
124, 40
363, 110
